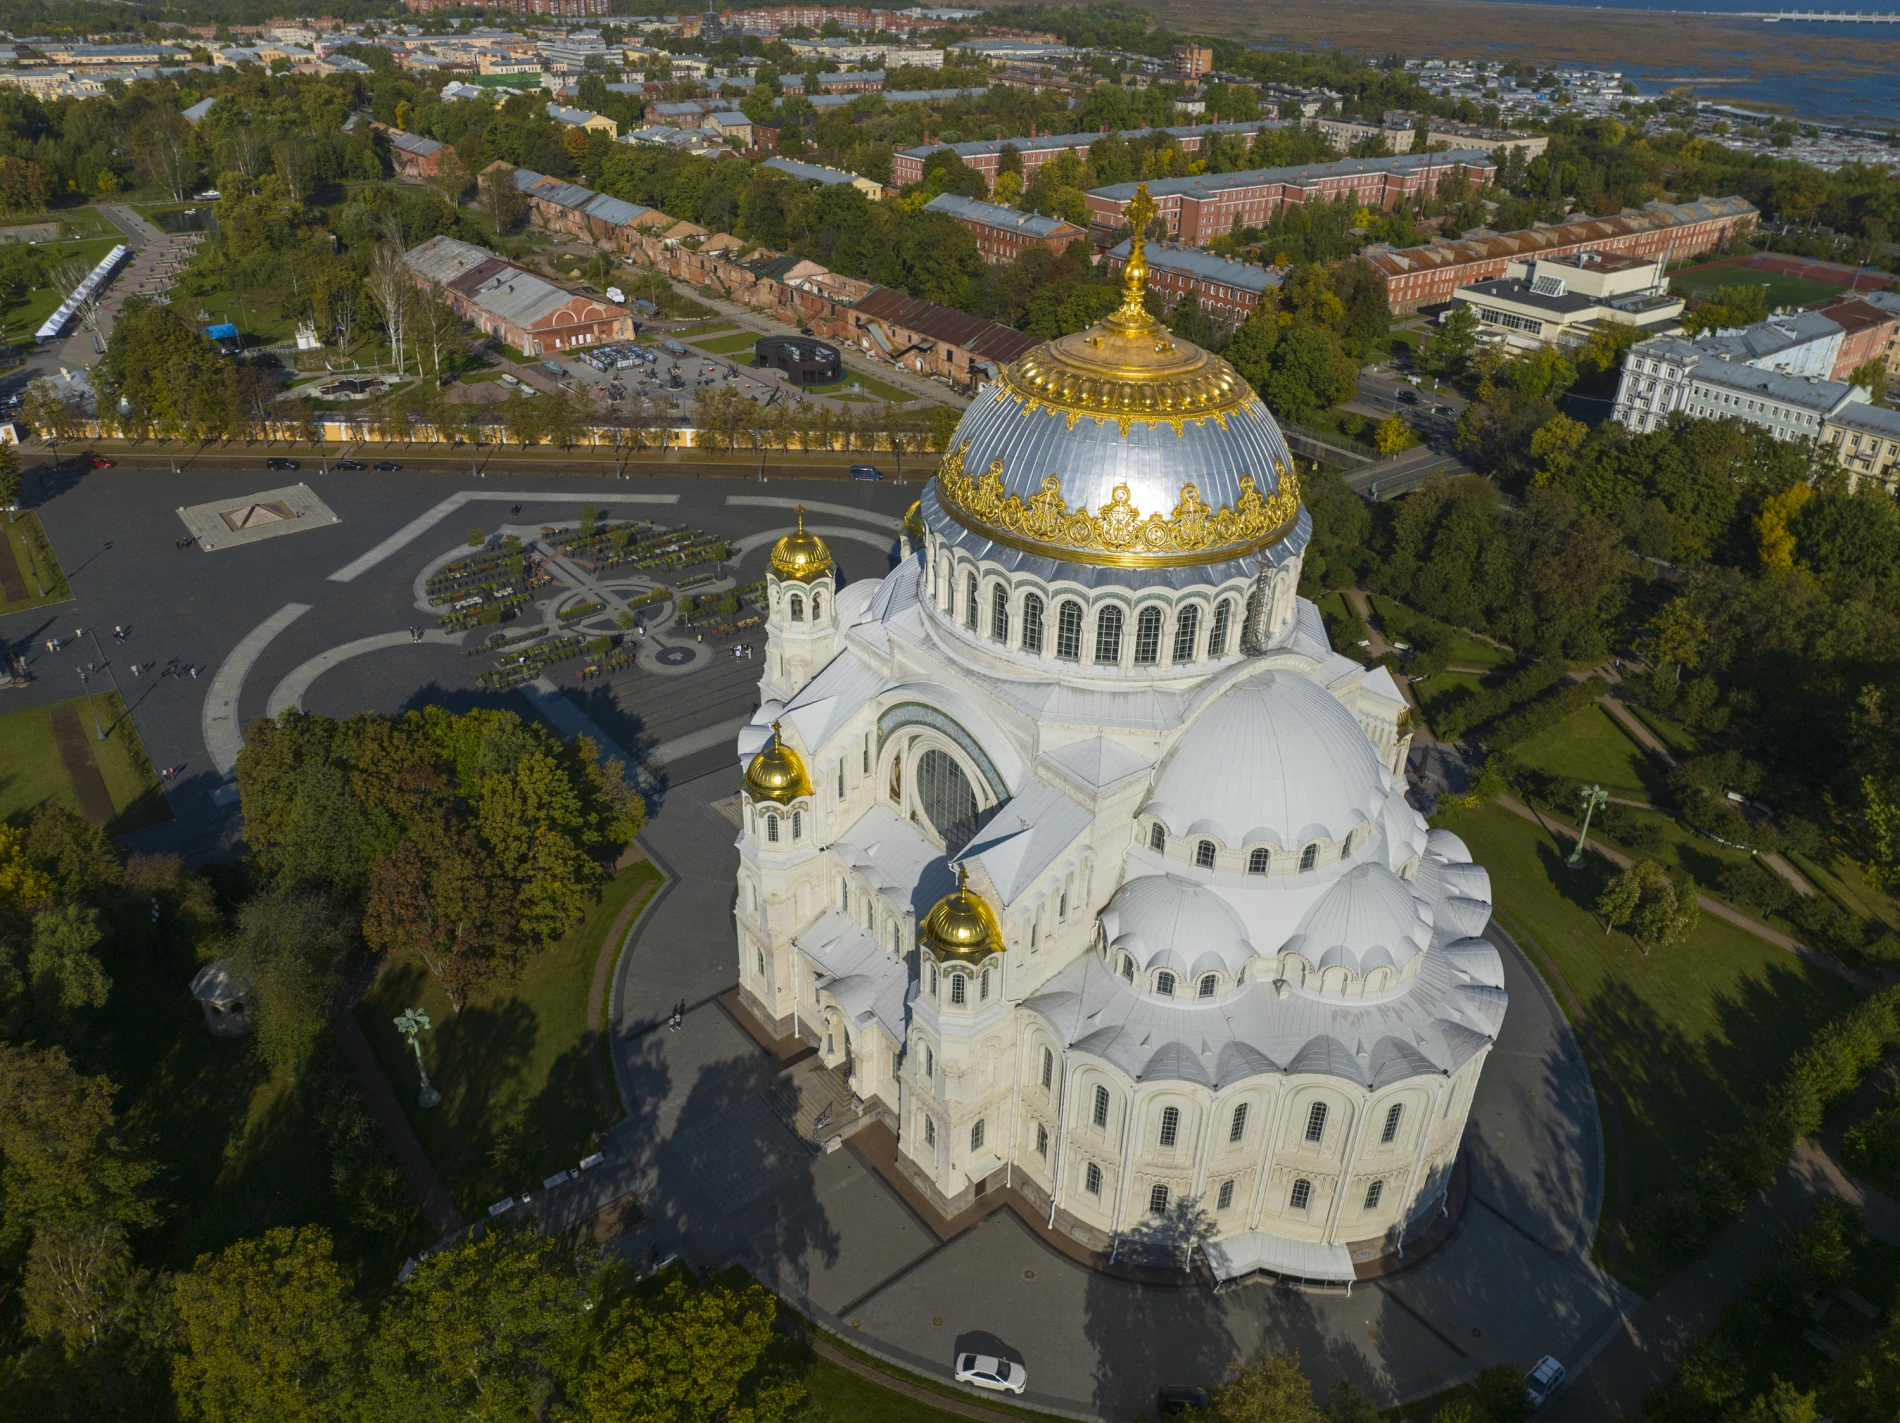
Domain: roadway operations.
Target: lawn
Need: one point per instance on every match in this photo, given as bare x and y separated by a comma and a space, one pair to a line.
1693, 1036
871, 386
729, 345
32, 553
517, 1094
1440, 692
24, 316
1680, 740
1403, 623
1699, 282
1591, 746
31, 770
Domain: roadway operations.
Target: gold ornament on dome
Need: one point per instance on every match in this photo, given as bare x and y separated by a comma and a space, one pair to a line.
777, 773
800, 555
1118, 533
961, 925
1128, 367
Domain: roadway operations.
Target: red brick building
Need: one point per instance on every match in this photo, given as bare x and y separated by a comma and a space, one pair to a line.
1227, 290
524, 309
1424, 276
1199, 209
574, 9
1870, 332
412, 155
929, 339
1002, 233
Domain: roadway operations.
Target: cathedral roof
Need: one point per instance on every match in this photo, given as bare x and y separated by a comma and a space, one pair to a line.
1274, 759
801, 555
1122, 446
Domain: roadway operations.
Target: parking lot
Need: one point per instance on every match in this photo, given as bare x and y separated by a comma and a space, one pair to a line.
664, 368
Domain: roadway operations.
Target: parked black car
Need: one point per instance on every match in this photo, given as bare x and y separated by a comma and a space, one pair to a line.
281, 464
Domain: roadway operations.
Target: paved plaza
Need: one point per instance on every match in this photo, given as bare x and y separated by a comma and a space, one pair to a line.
323, 620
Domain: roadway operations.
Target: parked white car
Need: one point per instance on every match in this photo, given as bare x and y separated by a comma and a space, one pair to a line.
1542, 1382
999, 1375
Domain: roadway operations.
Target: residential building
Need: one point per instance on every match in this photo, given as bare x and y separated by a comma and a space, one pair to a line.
1227, 290
985, 155
1560, 300
1399, 128
1868, 332
1788, 407
1865, 439
1659, 375
1198, 209
1191, 61
886, 56
500, 299
1888, 302
1002, 233
583, 118
1422, 276
529, 64
412, 155
830, 177
930, 339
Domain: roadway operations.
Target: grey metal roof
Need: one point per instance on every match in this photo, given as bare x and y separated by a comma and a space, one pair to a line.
442, 259
614, 210
995, 215
1800, 391
1169, 257
1872, 419
198, 110
811, 172
413, 143
1205, 184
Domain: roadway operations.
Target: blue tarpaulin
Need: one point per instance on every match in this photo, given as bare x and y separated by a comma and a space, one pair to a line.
223, 331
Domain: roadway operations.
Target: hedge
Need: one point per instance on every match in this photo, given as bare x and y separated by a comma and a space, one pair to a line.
1489, 703
1541, 716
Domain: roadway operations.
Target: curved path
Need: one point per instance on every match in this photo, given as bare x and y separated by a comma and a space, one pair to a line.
722, 1179
291, 691
223, 737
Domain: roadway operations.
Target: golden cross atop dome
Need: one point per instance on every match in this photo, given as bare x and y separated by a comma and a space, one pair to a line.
1132, 317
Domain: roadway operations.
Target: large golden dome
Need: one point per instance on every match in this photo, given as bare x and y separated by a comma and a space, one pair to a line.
961, 924
1122, 445
777, 773
800, 555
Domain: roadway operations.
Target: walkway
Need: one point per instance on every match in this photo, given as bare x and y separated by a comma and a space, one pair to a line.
1712, 906
1379, 646
1644, 1351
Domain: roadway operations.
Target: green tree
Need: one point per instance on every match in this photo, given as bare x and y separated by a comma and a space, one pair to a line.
81, 1286
1271, 1389
689, 1358
477, 1322
1660, 912
1310, 372
1741, 304
290, 945
268, 1328
61, 1154
1502, 1397
9, 476
65, 972
1677, 634
1346, 1404
1451, 344
1619, 900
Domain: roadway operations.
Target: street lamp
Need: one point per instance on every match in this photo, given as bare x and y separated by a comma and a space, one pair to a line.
412, 1023
1594, 798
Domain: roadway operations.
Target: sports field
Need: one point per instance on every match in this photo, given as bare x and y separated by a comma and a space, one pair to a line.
1699, 283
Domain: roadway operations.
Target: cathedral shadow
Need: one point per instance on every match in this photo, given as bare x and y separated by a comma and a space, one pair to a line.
722, 1178
462, 700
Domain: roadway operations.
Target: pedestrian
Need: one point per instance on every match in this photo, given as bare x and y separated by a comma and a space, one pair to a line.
135, 669
52, 645
118, 633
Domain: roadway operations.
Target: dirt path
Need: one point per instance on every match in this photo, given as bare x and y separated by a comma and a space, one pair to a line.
1378, 645
1712, 906
95, 802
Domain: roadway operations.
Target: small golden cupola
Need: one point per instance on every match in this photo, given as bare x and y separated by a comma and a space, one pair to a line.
800, 555
914, 525
961, 925
777, 773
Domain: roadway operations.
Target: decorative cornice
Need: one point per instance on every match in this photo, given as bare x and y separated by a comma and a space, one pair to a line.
1118, 534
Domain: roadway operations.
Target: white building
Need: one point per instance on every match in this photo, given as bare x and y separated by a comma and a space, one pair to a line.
1561, 300
1656, 373
1082, 856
